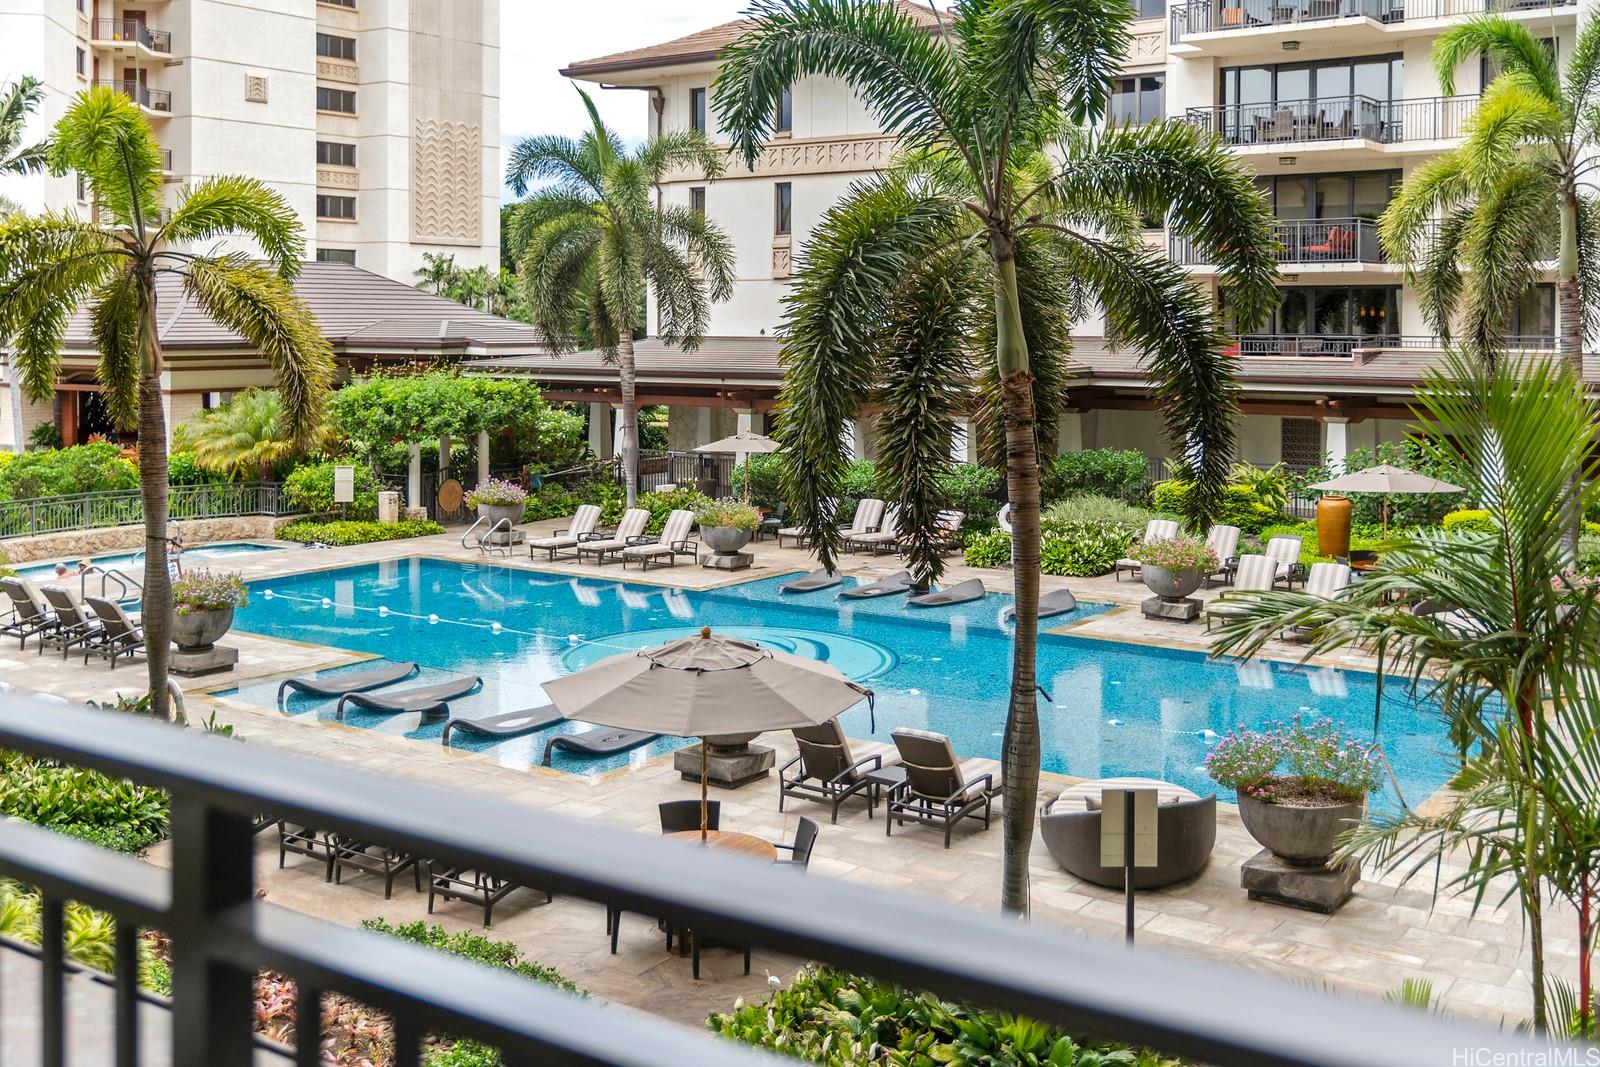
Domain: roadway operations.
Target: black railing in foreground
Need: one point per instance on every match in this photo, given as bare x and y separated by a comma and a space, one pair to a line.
124, 507
222, 934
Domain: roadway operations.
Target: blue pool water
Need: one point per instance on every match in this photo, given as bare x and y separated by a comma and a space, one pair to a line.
200, 554
1117, 709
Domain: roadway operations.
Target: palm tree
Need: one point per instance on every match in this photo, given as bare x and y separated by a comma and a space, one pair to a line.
17, 101
437, 273
594, 241
53, 264
1007, 213
246, 436
1511, 658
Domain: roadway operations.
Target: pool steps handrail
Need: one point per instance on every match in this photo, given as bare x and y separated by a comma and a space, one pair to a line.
122, 581
485, 541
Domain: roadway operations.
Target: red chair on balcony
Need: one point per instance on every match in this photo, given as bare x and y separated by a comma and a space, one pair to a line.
1340, 244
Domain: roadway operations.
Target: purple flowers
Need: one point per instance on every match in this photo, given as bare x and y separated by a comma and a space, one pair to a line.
1298, 758
205, 591
497, 493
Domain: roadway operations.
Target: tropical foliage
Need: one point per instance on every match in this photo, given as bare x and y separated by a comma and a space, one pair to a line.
17, 101
81, 469
494, 292
247, 436
1406, 509
356, 533
1116, 472
309, 487
208, 591
110, 812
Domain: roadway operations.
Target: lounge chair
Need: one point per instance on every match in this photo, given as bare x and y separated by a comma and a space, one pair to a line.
1186, 831
1254, 574
896, 583
629, 532
1055, 602
337, 685
580, 529
947, 530
805, 839
798, 534
596, 743
510, 724
673, 542
463, 883
938, 791
1284, 550
75, 623
826, 771
1154, 530
427, 699
960, 593
305, 841
886, 535
32, 614
381, 860
1326, 580
868, 519
822, 579
119, 635
1224, 541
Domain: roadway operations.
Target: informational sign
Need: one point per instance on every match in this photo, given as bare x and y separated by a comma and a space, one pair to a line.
344, 485
1114, 836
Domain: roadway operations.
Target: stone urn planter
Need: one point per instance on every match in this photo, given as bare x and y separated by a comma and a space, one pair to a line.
724, 540
1300, 836
197, 631
492, 514
1171, 585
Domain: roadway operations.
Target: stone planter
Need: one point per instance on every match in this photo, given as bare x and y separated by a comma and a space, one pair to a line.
724, 540
1171, 585
491, 514
1299, 836
197, 631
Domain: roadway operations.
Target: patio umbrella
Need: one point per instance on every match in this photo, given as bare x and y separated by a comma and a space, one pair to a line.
704, 686
1385, 479
742, 444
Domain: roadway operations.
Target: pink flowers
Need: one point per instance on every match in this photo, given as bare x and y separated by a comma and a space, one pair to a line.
1177, 554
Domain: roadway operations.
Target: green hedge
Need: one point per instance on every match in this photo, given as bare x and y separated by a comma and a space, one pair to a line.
1364, 537
1240, 507
1469, 520
66, 471
1104, 471
311, 487
357, 533
1074, 550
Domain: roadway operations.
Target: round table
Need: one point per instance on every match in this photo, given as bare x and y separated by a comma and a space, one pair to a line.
728, 841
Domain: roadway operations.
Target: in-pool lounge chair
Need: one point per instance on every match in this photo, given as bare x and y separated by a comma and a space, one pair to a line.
118, 636
1154, 530
673, 542
337, 685
897, 583
1224, 542
582, 528
1055, 602
826, 771
508, 725
938, 790
32, 614
960, 593
426, 699
821, 579
75, 623
1253, 575
630, 531
596, 743
886, 536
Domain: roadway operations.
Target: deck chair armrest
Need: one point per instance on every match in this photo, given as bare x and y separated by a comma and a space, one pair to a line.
849, 773
594, 536
560, 533
792, 761
985, 780
643, 539
688, 544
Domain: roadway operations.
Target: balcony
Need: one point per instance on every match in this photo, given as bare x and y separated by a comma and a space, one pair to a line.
1208, 20
156, 101
1350, 345
1307, 242
116, 33
1295, 122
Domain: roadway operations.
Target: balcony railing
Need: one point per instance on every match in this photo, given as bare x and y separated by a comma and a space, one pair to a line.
1345, 345
125, 507
1305, 241
1211, 16
133, 31
166, 159
222, 935
146, 97
1342, 118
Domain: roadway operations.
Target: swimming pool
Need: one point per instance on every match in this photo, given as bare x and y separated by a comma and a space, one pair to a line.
1117, 709
45, 572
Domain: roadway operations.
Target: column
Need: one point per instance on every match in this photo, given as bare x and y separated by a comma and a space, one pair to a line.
600, 430
745, 420
702, 434
1069, 432
444, 458
617, 428
1336, 443
961, 442
858, 439
483, 456
414, 477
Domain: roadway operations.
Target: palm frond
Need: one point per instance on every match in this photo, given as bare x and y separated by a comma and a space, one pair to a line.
104, 137
48, 264
1507, 235
1070, 50
19, 100
224, 205
117, 323
1513, 47
557, 254
1512, 115
689, 150
562, 160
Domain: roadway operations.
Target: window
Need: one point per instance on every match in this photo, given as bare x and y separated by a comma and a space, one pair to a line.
1330, 196
335, 47
82, 57
697, 199
83, 188
1300, 441
341, 100
1337, 310
351, 4
336, 154
335, 207
697, 110
1332, 99
337, 255
1139, 100
1152, 9
783, 205
786, 110
1535, 313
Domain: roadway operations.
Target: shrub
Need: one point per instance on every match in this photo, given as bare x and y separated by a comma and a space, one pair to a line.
1405, 509
990, 548
205, 591
110, 812
311, 487
1468, 520
496, 493
1363, 537
90, 935
1083, 550
550, 502
357, 533
860, 481
1297, 760
61, 472
660, 505
182, 470
611, 497
765, 473
1589, 552
45, 437
1240, 506
729, 513
1091, 508
973, 489
1102, 471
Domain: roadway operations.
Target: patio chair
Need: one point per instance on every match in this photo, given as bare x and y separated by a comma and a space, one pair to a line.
1224, 541
1284, 550
31, 614
580, 529
1340, 243
1186, 831
305, 841
1326, 580
673, 542
75, 623
479, 887
947, 530
1154, 530
119, 635
1253, 575
678, 816
887, 535
381, 860
938, 790
805, 839
630, 531
797, 534
825, 770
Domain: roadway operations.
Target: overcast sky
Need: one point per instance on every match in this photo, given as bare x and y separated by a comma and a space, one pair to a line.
539, 37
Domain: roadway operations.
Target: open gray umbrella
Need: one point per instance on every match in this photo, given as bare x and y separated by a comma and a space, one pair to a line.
1385, 479
704, 686
741, 444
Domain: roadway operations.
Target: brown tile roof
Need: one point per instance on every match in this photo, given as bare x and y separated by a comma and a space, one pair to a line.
359, 312
698, 47
743, 359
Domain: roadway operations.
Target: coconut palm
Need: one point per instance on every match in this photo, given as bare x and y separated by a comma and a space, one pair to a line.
1502, 640
246, 436
53, 264
17, 101
594, 240
1008, 213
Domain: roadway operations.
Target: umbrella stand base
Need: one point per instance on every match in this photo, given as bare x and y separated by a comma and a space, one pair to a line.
725, 769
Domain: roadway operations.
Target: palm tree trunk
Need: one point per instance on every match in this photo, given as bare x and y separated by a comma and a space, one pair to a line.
1020, 753
1569, 312
630, 415
157, 602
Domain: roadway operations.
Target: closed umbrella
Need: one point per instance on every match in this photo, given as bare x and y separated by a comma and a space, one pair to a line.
704, 686
1385, 479
742, 444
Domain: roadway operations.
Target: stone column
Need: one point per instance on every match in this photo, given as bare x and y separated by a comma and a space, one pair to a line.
444, 458
1069, 432
600, 430
414, 477
858, 439
961, 442
702, 435
483, 456
1336, 443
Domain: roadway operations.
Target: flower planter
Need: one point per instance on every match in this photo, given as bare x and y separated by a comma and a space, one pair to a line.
1299, 836
724, 540
492, 514
197, 631
1171, 585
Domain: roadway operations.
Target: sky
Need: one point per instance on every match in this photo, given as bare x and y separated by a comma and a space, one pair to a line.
539, 37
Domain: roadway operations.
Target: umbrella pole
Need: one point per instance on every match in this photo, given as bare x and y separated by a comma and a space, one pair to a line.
703, 747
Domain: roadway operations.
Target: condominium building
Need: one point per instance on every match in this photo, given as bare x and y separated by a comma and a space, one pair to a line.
1332, 103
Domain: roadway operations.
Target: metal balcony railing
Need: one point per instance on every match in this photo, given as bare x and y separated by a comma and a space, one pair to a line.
222, 935
1287, 122
1345, 345
1304, 242
166, 159
1210, 16
133, 31
125, 507
146, 97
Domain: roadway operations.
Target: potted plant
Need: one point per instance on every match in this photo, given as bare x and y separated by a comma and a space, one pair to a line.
726, 525
498, 500
203, 605
1299, 785
1174, 567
